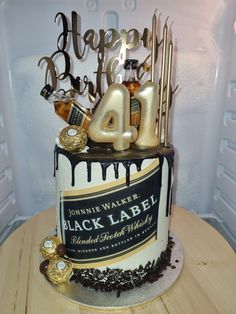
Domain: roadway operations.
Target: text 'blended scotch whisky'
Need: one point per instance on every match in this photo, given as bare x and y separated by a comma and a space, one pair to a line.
67, 107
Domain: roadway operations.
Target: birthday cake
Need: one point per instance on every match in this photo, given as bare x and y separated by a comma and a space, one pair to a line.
113, 214
113, 183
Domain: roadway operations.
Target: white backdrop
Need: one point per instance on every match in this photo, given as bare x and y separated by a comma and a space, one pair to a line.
203, 34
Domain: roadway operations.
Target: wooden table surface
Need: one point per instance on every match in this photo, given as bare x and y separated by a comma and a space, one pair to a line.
207, 283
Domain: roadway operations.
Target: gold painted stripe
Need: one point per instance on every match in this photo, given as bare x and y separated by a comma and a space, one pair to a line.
141, 246
119, 183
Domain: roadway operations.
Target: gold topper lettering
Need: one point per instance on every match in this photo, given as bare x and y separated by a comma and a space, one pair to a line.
107, 70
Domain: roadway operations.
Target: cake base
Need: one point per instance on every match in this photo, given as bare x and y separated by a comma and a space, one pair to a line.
88, 297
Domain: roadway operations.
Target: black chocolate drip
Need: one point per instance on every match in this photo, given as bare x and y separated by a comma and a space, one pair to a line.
169, 187
116, 169
104, 169
89, 172
127, 167
55, 162
75, 159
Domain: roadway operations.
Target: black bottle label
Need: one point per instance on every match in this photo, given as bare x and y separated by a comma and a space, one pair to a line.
123, 220
76, 116
135, 106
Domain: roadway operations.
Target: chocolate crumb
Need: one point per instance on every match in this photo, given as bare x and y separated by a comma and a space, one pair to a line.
121, 280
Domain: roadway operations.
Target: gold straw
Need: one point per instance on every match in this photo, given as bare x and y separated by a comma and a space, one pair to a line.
154, 42
163, 69
168, 93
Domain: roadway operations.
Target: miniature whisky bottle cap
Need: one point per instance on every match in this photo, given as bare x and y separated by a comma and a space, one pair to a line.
59, 270
73, 138
131, 64
48, 247
47, 91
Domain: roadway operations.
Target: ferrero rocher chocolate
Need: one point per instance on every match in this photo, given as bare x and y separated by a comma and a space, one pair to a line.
59, 270
73, 138
48, 247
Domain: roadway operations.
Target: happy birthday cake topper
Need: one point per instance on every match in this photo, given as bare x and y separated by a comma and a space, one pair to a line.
154, 96
122, 42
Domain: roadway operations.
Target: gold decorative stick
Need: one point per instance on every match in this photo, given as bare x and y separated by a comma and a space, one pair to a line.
163, 69
154, 46
168, 93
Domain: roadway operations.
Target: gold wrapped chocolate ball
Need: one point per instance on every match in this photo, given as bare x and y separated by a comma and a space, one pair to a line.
73, 138
48, 247
59, 270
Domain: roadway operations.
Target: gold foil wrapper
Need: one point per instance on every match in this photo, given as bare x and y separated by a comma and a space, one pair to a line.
48, 247
59, 270
73, 138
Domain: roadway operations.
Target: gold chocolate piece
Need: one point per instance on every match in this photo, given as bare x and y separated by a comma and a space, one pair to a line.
115, 107
48, 247
59, 270
73, 138
148, 97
